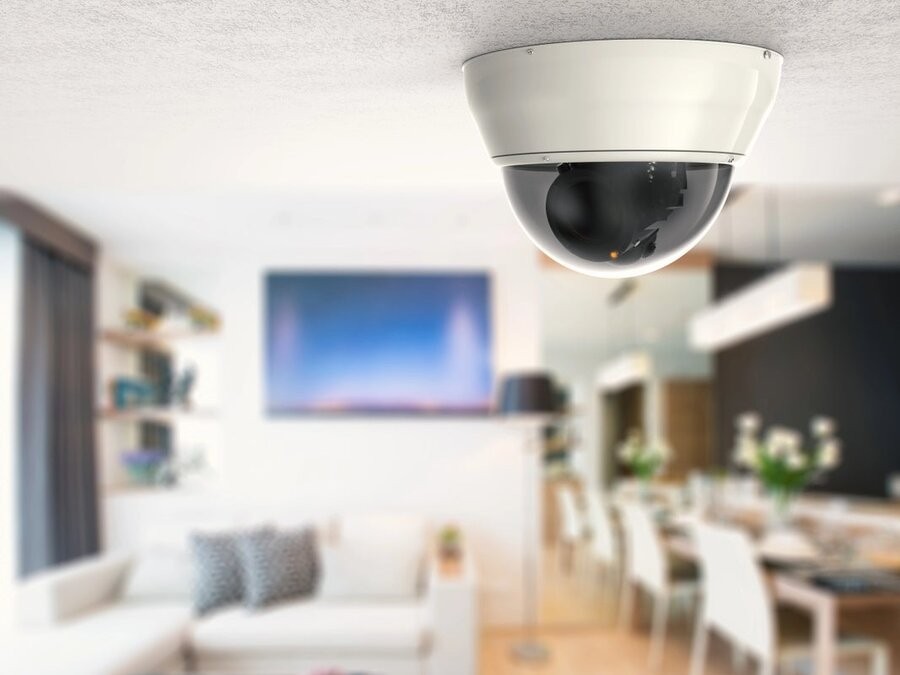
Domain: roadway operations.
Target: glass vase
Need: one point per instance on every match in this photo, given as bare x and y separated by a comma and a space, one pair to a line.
645, 490
780, 510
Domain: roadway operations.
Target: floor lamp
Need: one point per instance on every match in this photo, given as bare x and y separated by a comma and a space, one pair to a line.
528, 395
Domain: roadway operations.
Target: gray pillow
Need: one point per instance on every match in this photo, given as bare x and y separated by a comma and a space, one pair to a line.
278, 565
218, 578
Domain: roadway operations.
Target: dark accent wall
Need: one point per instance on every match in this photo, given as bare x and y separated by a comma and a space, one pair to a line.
844, 363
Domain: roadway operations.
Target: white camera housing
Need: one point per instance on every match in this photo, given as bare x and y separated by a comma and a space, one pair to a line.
608, 144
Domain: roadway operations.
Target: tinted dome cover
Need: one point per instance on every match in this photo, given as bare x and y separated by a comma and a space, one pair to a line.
617, 219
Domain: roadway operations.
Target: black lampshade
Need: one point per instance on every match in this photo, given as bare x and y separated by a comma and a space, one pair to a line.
527, 393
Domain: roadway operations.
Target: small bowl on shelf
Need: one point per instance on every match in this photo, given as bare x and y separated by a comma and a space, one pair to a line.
143, 465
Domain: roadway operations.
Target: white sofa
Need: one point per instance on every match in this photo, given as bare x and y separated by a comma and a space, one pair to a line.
70, 622
75, 622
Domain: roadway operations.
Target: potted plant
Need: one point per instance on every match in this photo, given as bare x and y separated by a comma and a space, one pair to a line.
450, 543
645, 460
783, 464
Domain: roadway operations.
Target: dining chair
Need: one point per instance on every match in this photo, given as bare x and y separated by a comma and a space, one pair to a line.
648, 569
604, 549
572, 528
603, 543
738, 606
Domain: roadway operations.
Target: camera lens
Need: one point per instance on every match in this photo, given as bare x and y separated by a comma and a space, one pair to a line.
617, 218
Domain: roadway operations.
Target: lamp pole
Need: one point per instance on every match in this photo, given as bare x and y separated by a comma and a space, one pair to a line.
530, 650
531, 395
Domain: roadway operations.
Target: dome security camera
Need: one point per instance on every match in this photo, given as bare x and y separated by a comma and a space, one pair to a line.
617, 155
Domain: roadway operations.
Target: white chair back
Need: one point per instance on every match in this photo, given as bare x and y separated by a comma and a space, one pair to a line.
645, 559
699, 492
603, 538
736, 601
571, 526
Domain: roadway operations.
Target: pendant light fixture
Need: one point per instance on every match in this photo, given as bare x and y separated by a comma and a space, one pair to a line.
789, 294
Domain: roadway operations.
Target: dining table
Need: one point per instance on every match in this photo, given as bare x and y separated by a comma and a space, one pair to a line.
798, 587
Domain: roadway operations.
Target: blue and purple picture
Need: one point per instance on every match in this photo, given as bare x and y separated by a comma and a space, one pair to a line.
378, 343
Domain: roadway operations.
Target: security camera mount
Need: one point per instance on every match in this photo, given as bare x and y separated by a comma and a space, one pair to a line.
622, 101
681, 106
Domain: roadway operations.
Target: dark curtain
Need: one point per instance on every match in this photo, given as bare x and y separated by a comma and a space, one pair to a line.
58, 519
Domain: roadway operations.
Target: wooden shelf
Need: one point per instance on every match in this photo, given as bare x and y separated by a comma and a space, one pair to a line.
154, 414
143, 339
554, 448
127, 489
133, 489
570, 412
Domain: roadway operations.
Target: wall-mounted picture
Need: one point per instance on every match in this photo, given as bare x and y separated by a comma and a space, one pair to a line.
378, 343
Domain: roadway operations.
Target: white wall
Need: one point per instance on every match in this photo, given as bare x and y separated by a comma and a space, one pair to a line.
467, 471
10, 294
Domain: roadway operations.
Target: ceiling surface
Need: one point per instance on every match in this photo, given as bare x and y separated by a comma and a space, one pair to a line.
116, 94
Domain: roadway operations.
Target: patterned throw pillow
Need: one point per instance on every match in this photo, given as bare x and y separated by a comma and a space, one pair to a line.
278, 565
218, 580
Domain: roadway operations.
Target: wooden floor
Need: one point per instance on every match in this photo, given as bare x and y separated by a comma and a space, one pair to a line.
579, 627
580, 596
593, 651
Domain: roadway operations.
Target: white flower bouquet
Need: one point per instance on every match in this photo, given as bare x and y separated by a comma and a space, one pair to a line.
782, 464
645, 460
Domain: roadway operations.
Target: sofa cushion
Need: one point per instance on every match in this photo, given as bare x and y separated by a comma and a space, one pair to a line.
306, 627
278, 565
396, 531
374, 557
218, 579
159, 573
352, 572
123, 639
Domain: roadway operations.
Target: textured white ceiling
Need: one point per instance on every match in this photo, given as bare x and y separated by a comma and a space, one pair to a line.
136, 93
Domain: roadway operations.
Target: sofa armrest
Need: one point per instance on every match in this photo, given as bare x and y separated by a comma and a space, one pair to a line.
50, 597
453, 606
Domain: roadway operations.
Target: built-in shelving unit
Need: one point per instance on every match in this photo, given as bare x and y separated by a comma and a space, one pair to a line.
158, 341
178, 328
